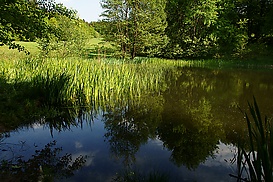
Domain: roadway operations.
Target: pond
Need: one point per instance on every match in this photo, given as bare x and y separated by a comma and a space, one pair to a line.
187, 131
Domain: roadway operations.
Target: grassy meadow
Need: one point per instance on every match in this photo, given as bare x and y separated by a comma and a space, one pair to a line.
14, 54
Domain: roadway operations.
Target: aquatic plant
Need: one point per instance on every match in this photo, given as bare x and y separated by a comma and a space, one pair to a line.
257, 161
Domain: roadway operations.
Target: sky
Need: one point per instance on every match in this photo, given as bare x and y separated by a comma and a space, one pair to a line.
89, 10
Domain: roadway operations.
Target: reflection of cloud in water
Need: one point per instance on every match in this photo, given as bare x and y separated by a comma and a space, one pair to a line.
90, 157
37, 126
156, 141
78, 145
223, 156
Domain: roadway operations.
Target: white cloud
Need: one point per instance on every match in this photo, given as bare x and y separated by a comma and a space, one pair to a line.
223, 156
78, 145
90, 157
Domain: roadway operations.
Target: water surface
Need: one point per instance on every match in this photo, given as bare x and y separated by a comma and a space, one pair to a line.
187, 131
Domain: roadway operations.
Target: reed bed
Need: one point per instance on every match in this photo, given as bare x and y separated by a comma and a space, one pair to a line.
87, 82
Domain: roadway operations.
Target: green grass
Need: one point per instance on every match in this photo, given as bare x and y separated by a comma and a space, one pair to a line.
95, 41
98, 49
32, 86
32, 47
14, 54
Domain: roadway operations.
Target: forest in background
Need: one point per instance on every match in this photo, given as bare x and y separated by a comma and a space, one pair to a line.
172, 29
189, 28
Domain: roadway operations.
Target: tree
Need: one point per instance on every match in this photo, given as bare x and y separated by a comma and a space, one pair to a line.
201, 28
231, 29
259, 15
27, 19
136, 26
190, 27
68, 38
20, 18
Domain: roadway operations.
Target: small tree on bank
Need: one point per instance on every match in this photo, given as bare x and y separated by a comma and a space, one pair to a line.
136, 26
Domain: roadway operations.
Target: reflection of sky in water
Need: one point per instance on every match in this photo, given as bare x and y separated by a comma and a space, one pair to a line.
102, 166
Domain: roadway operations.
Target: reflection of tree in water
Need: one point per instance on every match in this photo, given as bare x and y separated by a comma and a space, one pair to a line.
64, 118
45, 165
40, 100
133, 175
189, 128
190, 145
130, 127
59, 119
124, 138
185, 126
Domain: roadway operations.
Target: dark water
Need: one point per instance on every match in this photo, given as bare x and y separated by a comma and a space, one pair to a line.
187, 132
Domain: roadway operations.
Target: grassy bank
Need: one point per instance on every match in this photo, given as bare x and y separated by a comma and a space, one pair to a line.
14, 54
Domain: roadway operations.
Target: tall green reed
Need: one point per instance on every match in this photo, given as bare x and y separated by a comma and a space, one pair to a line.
257, 161
88, 82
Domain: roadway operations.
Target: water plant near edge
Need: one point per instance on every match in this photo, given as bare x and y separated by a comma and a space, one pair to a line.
257, 161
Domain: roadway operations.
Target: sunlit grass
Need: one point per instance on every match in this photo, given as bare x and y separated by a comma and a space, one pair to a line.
98, 48
14, 54
87, 82
95, 41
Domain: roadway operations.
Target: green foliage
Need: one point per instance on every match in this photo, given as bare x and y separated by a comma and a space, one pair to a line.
205, 28
230, 30
29, 20
192, 35
216, 28
173, 29
258, 13
99, 27
69, 38
136, 26
22, 19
